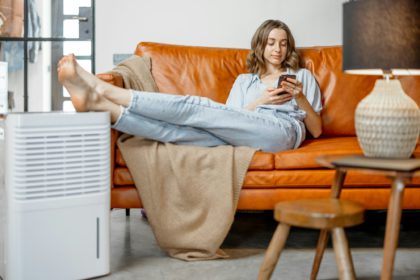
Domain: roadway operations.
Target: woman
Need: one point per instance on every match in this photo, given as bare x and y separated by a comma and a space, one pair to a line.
257, 114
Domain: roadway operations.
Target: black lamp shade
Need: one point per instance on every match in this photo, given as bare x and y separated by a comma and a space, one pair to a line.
381, 34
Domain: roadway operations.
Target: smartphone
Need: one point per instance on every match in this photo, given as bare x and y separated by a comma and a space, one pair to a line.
284, 77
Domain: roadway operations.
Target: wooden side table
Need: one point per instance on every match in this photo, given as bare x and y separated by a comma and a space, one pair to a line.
400, 171
331, 216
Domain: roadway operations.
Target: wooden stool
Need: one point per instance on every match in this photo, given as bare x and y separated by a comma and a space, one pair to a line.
328, 215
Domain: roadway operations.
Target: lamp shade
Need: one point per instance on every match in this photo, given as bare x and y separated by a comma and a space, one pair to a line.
381, 35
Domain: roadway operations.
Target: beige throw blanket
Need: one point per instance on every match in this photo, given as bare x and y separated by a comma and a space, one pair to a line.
136, 73
190, 193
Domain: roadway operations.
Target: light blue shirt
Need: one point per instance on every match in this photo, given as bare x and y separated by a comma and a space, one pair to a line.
248, 87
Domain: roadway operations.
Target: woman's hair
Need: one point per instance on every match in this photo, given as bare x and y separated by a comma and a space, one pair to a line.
256, 62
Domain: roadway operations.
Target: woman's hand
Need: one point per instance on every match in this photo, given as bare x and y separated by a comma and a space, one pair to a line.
312, 120
275, 96
271, 96
293, 87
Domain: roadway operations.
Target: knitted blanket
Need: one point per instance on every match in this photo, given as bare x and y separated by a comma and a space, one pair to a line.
190, 193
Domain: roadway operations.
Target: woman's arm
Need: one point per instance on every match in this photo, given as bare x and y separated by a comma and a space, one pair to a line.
312, 120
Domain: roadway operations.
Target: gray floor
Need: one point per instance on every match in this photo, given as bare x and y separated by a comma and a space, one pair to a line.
135, 254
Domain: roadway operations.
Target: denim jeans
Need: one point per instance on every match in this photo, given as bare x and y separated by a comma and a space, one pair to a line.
194, 120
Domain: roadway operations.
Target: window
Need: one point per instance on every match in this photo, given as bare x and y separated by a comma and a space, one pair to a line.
33, 46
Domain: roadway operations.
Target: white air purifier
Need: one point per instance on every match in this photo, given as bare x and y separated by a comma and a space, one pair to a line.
55, 196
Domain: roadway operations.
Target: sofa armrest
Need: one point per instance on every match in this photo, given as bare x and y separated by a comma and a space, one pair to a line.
112, 78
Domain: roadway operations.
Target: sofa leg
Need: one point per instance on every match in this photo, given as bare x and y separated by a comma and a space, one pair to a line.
127, 211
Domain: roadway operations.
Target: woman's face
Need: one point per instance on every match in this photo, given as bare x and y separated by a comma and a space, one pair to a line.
276, 49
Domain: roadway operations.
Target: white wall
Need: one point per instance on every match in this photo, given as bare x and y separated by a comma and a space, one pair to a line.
121, 24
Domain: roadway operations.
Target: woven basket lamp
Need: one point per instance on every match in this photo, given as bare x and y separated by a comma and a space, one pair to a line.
382, 37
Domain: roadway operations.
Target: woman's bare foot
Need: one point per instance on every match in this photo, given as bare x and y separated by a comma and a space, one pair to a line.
83, 86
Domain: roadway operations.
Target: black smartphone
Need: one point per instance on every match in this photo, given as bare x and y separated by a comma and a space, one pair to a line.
284, 77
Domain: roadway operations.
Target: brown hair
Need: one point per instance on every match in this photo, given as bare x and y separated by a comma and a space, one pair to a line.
255, 60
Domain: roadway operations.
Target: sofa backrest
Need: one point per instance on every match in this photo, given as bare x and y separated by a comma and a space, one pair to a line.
210, 72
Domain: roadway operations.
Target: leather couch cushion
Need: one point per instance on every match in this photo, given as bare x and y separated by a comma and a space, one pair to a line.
296, 179
293, 168
260, 161
302, 158
305, 156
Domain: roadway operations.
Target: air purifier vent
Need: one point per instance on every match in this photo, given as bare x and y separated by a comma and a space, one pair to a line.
55, 162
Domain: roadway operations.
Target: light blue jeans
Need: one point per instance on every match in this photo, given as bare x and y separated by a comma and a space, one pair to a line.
194, 120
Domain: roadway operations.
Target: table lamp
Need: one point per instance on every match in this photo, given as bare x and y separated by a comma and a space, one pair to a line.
382, 37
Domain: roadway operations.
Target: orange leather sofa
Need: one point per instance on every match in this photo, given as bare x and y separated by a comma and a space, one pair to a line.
273, 177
